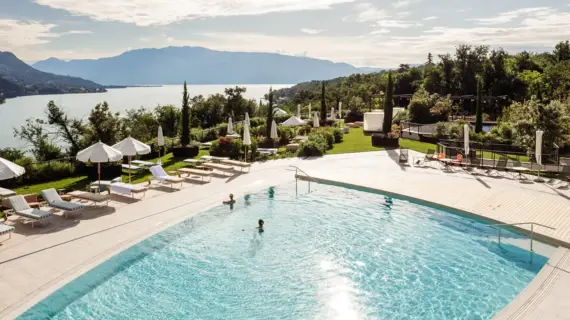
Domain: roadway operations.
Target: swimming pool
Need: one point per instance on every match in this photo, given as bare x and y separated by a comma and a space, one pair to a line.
335, 253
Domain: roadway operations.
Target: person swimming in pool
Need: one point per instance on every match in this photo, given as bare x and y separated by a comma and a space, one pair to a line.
260, 227
231, 201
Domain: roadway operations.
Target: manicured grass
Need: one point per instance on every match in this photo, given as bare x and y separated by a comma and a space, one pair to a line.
355, 141
73, 183
416, 145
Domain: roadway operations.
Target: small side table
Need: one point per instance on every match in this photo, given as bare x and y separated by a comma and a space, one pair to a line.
94, 189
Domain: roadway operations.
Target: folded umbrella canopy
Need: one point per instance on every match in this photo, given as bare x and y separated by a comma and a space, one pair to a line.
9, 170
132, 147
98, 153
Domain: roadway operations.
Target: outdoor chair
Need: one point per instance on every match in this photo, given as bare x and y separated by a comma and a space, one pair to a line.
562, 180
220, 167
22, 209
163, 178
430, 156
403, 156
242, 165
6, 229
54, 200
499, 168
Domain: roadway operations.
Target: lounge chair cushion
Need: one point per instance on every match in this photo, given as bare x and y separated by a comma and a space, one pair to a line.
197, 172
236, 163
35, 214
89, 196
126, 188
220, 167
161, 175
4, 229
5, 193
65, 206
18, 203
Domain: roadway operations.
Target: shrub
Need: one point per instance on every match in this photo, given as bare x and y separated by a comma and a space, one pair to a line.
440, 130
326, 134
256, 122
316, 146
455, 131
505, 131
45, 171
354, 116
232, 148
285, 135
338, 135
304, 130
396, 131
401, 115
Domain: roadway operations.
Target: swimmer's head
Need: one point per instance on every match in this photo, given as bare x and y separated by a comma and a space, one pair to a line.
261, 223
231, 196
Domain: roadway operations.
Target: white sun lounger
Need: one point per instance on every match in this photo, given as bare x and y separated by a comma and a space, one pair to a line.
95, 198
213, 159
5, 193
239, 164
162, 177
132, 167
22, 209
6, 229
143, 163
54, 200
220, 167
196, 172
127, 189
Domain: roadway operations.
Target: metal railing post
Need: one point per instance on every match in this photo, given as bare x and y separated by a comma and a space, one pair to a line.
531, 236
296, 181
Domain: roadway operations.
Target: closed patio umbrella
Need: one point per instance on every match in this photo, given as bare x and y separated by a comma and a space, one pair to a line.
466, 131
316, 121
246, 139
98, 153
160, 142
309, 117
230, 126
131, 147
274, 136
299, 111
340, 109
333, 116
247, 119
10, 170
538, 152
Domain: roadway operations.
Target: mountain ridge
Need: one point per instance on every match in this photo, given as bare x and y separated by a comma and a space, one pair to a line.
198, 65
19, 79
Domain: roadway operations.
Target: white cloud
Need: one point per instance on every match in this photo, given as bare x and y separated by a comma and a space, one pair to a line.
396, 24
367, 12
403, 14
17, 33
312, 31
162, 12
404, 3
78, 32
430, 18
380, 31
510, 16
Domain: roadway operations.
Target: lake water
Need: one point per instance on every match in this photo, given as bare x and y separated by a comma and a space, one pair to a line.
15, 111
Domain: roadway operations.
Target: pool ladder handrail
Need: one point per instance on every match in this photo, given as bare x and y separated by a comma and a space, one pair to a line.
297, 169
532, 224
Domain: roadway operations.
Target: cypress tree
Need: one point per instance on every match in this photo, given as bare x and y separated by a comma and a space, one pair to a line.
185, 137
388, 105
479, 111
323, 103
269, 112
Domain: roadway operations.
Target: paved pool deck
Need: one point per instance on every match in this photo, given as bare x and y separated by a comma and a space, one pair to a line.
38, 261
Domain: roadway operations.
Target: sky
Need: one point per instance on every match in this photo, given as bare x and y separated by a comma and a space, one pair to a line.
375, 33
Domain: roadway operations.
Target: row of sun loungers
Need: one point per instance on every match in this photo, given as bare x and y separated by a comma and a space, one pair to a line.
499, 169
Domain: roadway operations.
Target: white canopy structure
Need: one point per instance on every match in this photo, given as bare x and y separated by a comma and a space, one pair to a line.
246, 121
230, 126
373, 121
9, 170
293, 122
280, 112
98, 153
132, 147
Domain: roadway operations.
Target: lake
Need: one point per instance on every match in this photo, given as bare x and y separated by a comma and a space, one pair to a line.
15, 111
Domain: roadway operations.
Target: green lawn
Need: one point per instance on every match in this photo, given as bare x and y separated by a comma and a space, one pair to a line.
353, 142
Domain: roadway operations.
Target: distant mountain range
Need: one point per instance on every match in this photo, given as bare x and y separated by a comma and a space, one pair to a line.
196, 65
19, 79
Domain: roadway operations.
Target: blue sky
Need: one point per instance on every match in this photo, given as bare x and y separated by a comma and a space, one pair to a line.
378, 33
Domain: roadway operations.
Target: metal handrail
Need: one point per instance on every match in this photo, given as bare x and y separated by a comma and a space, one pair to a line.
532, 224
297, 169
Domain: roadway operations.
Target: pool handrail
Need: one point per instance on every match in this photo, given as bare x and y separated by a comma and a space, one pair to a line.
297, 169
532, 224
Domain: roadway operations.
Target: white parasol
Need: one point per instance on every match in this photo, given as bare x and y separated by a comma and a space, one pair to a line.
309, 117
299, 111
98, 153
538, 152
131, 147
333, 117
9, 170
247, 119
340, 109
230, 126
160, 142
316, 121
466, 131
246, 138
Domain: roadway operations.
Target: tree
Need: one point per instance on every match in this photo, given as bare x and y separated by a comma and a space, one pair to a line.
103, 125
185, 137
388, 105
169, 117
70, 130
479, 112
562, 51
323, 103
35, 133
447, 73
270, 112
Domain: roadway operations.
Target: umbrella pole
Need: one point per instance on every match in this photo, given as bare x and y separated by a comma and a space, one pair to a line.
99, 175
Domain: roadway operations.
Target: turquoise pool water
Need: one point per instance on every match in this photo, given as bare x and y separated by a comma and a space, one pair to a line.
336, 253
